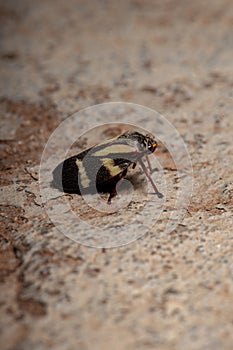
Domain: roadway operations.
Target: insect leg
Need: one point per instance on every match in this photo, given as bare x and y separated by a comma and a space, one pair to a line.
149, 164
113, 192
159, 194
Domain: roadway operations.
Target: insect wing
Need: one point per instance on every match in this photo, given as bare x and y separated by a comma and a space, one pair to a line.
65, 175
104, 165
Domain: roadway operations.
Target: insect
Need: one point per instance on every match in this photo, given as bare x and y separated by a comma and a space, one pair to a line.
101, 167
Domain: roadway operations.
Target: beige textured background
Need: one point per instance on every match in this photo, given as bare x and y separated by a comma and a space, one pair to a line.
161, 292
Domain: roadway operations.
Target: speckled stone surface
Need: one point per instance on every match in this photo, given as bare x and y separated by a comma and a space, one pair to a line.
171, 291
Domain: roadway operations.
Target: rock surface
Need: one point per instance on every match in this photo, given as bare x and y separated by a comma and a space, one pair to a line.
171, 291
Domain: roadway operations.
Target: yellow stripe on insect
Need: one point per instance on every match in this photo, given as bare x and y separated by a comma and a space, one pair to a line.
112, 168
85, 181
113, 149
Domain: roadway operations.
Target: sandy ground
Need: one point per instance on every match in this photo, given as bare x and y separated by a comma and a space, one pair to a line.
163, 291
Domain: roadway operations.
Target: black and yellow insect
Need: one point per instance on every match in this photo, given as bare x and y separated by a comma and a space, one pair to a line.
101, 167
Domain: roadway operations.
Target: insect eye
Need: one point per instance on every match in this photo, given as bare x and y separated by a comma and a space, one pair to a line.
151, 146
